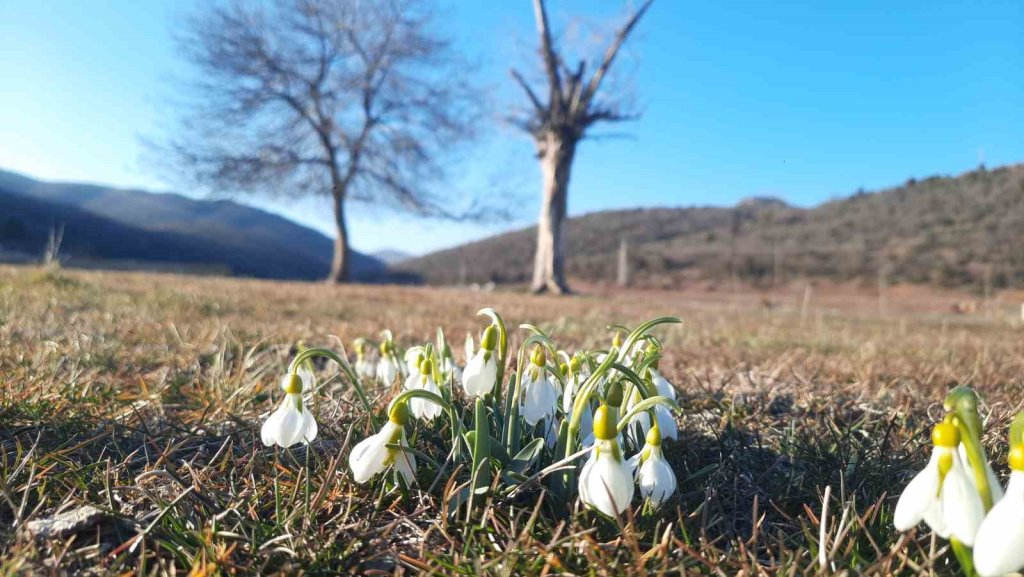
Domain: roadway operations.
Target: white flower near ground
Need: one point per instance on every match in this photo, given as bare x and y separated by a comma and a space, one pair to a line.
481, 372
606, 481
372, 455
424, 379
291, 423
387, 372
654, 475
942, 494
666, 420
412, 359
540, 397
999, 544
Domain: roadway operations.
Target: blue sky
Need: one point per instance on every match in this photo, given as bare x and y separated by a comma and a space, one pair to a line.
801, 100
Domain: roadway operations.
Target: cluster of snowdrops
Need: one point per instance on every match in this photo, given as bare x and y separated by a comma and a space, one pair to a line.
569, 420
511, 428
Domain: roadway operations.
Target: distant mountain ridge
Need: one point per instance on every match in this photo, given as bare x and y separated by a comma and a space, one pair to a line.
961, 230
132, 226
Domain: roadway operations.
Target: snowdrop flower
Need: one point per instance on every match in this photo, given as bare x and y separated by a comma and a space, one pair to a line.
413, 357
655, 477
999, 544
606, 481
540, 397
387, 370
942, 495
482, 368
372, 455
424, 379
666, 420
364, 368
291, 423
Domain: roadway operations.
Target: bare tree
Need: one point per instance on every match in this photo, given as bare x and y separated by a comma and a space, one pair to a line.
349, 100
557, 125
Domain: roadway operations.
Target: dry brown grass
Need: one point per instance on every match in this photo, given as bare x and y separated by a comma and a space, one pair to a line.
141, 394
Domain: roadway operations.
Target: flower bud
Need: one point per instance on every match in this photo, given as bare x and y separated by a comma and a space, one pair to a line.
538, 357
399, 414
489, 340
945, 435
1016, 458
292, 384
604, 425
654, 435
614, 394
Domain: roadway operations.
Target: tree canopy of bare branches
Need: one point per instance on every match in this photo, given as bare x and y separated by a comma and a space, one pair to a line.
349, 100
558, 118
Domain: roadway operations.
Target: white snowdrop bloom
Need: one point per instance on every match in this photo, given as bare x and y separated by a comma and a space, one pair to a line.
412, 359
291, 423
999, 544
365, 368
372, 455
387, 372
424, 379
666, 420
942, 495
606, 481
540, 396
482, 368
387, 369
654, 475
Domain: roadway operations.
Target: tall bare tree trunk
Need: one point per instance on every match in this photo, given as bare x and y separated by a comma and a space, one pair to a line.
556, 155
340, 263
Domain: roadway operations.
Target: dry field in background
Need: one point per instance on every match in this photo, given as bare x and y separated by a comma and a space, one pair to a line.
141, 394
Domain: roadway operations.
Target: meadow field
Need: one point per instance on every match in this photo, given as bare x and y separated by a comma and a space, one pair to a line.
141, 395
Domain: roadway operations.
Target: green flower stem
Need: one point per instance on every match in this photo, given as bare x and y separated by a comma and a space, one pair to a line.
963, 402
343, 363
511, 436
480, 481
964, 556
641, 331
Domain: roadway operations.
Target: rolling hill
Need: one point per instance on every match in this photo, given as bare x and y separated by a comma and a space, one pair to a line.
106, 226
941, 230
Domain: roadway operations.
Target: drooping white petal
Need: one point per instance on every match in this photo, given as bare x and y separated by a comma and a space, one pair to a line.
370, 456
919, 496
666, 423
307, 377
999, 544
665, 388
584, 482
540, 399
310, 428
606, 483
272, 426
405, 462
469, 346
412, 355
386, 371
292, 425
480, 375
656, 479
993, 482
961, 505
